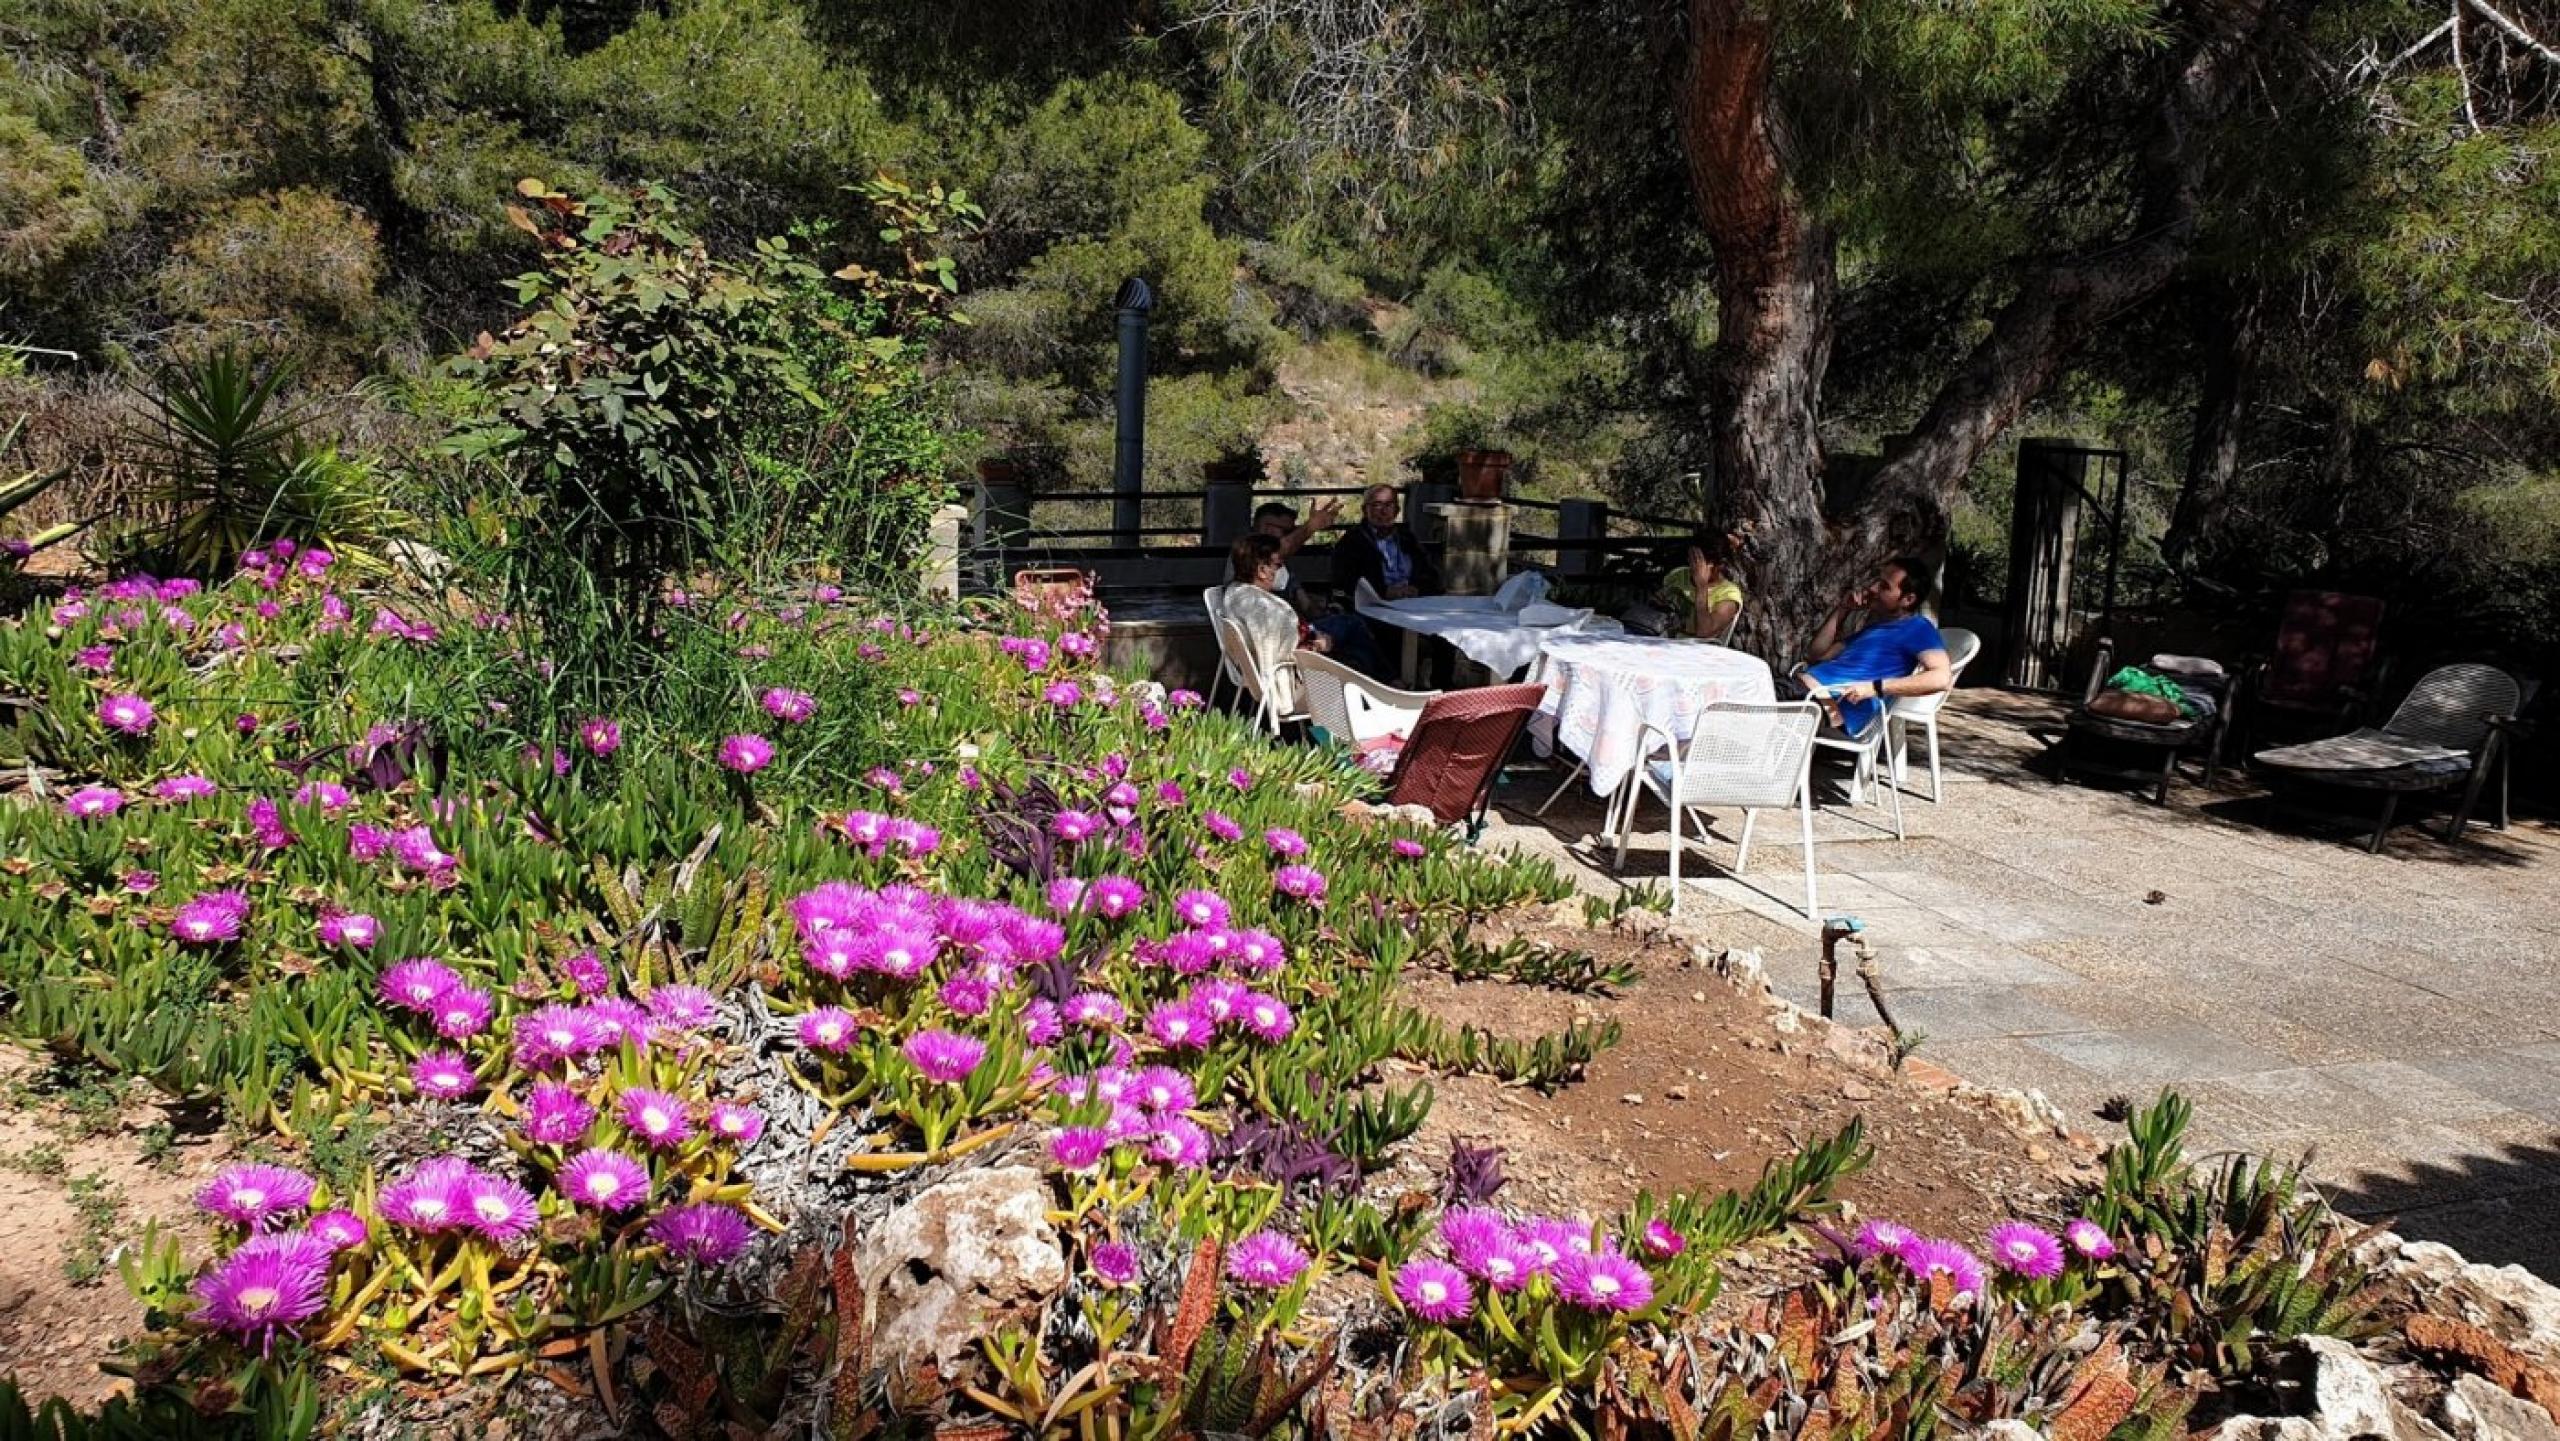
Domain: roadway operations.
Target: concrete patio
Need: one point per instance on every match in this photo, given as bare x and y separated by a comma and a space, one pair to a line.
2396, 1017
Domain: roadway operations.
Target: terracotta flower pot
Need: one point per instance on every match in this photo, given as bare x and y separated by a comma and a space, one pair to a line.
1480, 473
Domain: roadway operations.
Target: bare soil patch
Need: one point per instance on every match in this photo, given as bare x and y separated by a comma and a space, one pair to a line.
1709, 1084
74, 1188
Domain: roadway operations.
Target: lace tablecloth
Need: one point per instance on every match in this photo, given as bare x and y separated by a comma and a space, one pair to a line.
1603, 690
1502, 640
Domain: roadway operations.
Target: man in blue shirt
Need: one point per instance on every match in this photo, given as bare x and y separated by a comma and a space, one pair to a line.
1898, 653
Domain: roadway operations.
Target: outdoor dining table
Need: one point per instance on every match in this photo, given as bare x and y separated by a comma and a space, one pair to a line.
1603, 690
1502, 639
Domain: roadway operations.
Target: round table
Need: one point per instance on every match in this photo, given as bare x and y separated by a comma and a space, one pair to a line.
1602, 691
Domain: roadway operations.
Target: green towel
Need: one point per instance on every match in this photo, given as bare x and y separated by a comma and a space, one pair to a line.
2137, 681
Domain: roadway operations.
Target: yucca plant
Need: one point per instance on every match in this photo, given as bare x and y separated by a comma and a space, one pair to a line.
229, 467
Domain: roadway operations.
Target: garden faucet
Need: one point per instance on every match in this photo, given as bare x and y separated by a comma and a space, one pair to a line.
1836, 929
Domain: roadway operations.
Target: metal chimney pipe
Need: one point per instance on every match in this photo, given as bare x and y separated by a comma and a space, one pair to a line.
1129, 445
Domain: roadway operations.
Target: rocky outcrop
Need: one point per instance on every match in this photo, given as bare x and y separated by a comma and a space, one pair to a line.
952, 1264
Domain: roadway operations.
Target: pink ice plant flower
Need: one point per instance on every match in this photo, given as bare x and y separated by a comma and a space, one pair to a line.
443, 1076
556, 1115
1223, 828
1435, 1291
463, 1012
341, 1229
186, 788
1603, 1281
127, 715
944, 1056
1304, 883
2089, 1239
211, 918
1266, 1261
1079, 1148
602, 1180
1266, 1018
497, 1208
1662, 1241
250, 1196
1285, 843
2028, 1252
430, 1198
417, 984
657, 1119
1114, 1264
1929, 1257
1115, 896
736, 1124
1180, 1026
746, 754
1094, 1010
601, 736
828, 1028
1884, 1238
91, 803
270, 1284
348, 928
791, 707
681, 1007
707, 1234
1200, 909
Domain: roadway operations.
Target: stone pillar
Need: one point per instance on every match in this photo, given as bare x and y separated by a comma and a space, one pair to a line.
1002, 515
942, 553
1226, 512
1580, 520
1478, 554
1424, 501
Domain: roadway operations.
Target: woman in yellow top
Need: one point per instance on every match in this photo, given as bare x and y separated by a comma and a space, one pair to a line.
1706, 593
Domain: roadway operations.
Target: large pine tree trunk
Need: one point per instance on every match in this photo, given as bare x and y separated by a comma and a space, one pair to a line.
2233, 327
1776, 284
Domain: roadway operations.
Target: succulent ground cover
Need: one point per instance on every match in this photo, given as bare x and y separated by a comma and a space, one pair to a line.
562, 1029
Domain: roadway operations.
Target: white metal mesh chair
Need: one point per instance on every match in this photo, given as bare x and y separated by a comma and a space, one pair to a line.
1922, 710
1864, 753
1351, 707
1758, 757
1256, 685
1213, 599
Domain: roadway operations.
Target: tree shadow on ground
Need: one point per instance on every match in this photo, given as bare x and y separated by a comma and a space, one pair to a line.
2502, 1209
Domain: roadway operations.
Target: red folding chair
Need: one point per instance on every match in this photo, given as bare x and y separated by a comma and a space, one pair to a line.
1456, 749
2324, 661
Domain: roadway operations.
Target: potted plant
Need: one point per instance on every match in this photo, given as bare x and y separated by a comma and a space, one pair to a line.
1480, 473
1239, 462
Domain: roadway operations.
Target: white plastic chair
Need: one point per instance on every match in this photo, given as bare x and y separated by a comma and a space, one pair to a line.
1226, 673
1922, 711
1863, 752
1351, 707
1252, 680
1758, 757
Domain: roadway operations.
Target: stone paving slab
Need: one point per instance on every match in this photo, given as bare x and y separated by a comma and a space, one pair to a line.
2395, 1017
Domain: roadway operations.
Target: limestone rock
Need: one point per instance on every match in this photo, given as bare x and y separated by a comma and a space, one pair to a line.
943, 1268
2508, 1302
2477, 1410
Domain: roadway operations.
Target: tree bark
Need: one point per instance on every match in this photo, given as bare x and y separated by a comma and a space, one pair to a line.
2233, 327
1776, 286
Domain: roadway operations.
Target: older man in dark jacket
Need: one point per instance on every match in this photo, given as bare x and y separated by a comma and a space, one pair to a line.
1383, 551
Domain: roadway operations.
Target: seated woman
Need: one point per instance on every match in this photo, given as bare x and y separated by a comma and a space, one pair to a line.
1706, 596
1272, 628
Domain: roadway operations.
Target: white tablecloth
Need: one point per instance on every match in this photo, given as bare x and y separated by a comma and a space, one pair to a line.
1479, 626
1603, 690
